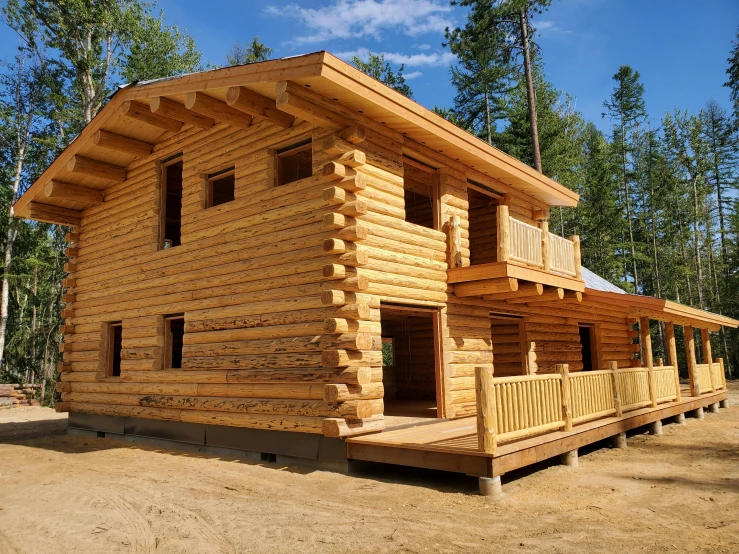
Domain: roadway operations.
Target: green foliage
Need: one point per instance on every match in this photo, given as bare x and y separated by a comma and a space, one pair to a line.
159, 50
733, 72
376, 67
251, 53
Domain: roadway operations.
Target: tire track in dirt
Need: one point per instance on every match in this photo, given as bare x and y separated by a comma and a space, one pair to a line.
199, 527
142, 538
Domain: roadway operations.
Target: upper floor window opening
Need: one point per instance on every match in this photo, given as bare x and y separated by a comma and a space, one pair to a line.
294, 162
171, 203
221, 187
421, 194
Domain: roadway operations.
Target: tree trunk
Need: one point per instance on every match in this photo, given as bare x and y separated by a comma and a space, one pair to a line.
487, 114
627, 201
530, 94
696, 241
10, 239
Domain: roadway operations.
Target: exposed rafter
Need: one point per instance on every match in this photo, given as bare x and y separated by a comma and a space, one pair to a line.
549, 295
259, 106
486, 286
291, 99
54, 214
171, 109
141, 112
72, 192
220, 111
94, 168
121, 143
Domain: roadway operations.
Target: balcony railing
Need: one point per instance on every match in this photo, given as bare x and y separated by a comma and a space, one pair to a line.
514, 408
535, 246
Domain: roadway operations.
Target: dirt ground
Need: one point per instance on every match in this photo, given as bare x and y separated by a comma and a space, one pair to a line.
58, 493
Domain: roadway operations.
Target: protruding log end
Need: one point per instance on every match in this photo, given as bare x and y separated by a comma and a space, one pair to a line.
339, 427
334, 246
336, 393
333, 297
62, 406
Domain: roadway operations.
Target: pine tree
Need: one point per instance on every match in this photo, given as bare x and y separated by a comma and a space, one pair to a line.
376, 67
251, 53
733, 81
626, 108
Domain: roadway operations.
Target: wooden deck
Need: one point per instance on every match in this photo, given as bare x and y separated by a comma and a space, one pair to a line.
451, 445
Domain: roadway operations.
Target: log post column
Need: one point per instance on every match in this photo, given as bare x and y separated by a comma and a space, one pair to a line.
695, 389
545, 257
672, 355
646, 342
578, 256
708, 356
485, 399
564, 371
504, 233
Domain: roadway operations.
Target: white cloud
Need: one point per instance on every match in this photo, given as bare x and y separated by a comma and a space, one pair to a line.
422, 46
412, 75
549, 27
351, 19
410, 60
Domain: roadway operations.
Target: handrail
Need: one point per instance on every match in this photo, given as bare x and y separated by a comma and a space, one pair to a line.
704, 377
562, 255
665, 385
535, 246
591, 395
633, 388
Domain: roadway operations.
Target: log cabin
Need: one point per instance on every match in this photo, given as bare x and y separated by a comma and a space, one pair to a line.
292, 260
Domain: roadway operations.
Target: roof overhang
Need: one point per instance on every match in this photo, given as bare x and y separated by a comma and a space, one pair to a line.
663, 310
325, 75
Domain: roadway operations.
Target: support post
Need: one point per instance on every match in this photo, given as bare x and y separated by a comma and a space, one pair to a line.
655, 428
546, 260
578, 256
618, 441
707, 355
698, 413
724, 403
490, 486
695, 388
713, 408
569, 459
504, 233
455, 242
672, 355
486, 410
564, 371
680, 419
616, 396
646, 342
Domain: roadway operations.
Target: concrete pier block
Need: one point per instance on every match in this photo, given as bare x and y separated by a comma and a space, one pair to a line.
713, 408
655, 428
491, 487
618, 441
698, 413
569, 459
680, 419
724, 403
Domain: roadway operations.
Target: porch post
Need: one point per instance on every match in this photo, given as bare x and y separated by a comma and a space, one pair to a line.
455, 242
646, 341
544, 226
672, 354
695, 388
578, 256
614, 384
485, 399
504, 233
564, 371
707, 355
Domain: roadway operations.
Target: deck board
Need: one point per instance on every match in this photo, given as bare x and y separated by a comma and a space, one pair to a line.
451, 445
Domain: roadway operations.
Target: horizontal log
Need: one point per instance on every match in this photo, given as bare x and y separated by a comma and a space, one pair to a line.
95, 168
258, 106
221, 112
53, 214
121, 143
73, 193
141, 112
168, 108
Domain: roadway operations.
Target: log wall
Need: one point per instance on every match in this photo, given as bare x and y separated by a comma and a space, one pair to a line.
281, 288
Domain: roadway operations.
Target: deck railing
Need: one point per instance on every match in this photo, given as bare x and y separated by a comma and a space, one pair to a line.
514, 408
535, 246
705, 377
526, 243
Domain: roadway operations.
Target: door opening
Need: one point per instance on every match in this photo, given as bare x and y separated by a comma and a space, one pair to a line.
411, 361
587, 341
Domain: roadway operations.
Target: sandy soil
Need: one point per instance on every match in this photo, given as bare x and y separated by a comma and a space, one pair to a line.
58, 493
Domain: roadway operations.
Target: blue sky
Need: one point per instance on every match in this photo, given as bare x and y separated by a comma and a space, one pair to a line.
679, 47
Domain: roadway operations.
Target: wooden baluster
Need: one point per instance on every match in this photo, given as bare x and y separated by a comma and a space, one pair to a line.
707, 355
578, 256
695, 388
486, 411
564, 371
672, 355
614, 384
720, 362
504, 233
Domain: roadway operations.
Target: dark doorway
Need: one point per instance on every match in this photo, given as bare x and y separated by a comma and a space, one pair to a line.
587, 337
410, 361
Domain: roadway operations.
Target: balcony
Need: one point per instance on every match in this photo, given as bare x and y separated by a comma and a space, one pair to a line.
506, 253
